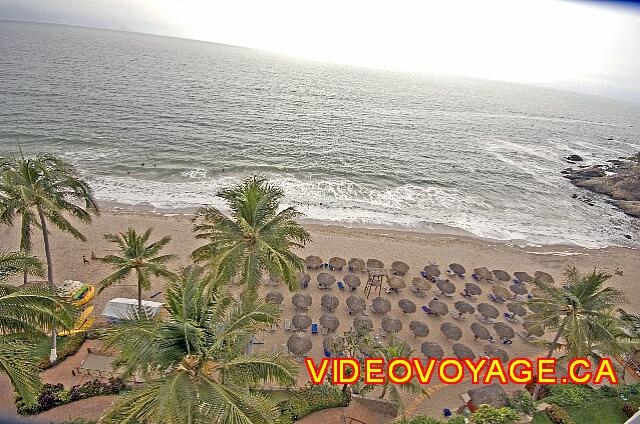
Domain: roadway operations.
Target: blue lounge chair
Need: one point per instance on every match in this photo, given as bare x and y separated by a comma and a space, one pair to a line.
475, 276
340, 285
327, 354
314, 328
428, 311
305, 284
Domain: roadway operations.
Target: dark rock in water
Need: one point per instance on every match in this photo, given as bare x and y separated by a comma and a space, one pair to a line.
609, 138
620, 181
574, 158
628, 236
574, 196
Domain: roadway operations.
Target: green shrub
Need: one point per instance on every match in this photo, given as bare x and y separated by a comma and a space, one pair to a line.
52, 395
71, 347
629, 409
558, 415
487, 414
311, 399
571, 394
522, 402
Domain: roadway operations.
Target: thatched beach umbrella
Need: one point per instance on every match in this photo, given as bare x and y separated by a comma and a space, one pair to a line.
431, 271
523, 276
329, 302
355, 303
313, 261
380, 305
301, 321
501, 291
356, 265
375, 264
274, 297
464, 307
419, 328
480, 331
457, 269
501, 275
518, 289
303, 279
462, 351
488, 311
326, 280
446, 286
483, 273
504, 330
407, 306
397, 282
299, 344
337, 263
501, 354
329, 321
301, 301
421, 284
451, 331
438, 308
391, 325
352, 281
399, 268
490, 394
517, 309
533, 328
432, 350
362, 324
543, 277
473, 288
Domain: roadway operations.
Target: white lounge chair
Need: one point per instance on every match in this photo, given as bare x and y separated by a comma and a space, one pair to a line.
287, 325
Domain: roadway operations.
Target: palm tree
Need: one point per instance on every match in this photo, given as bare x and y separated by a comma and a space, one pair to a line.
26, 313
138, 256
399, 349
632, 327
194, 361
42, 190
580, 313
254, 239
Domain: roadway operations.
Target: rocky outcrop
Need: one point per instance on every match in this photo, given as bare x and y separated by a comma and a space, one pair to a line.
619, 180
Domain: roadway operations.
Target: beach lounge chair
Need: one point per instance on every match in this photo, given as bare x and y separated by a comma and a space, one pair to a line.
327, 354
323, 331
305, 284
314, 328
427, 311
475, 276
287, 325
340, 285
456, 315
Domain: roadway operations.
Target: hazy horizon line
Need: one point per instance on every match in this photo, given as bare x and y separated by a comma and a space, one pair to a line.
630, 100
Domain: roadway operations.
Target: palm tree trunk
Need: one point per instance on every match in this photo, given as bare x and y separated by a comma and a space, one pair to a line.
47, 251
554, 344
384, 391
140, 278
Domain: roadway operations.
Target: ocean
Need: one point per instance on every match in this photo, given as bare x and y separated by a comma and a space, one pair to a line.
162, 124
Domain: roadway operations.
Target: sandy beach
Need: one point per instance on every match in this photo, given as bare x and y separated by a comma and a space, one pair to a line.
388, 245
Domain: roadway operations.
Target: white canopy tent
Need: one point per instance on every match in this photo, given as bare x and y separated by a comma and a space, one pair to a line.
123, 308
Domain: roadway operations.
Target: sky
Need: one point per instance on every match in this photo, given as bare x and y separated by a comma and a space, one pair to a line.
581, 46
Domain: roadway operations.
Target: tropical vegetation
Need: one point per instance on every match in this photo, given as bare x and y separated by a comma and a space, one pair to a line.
137, 256
256, 238
25, 314
194, 361
44, 191
580, 314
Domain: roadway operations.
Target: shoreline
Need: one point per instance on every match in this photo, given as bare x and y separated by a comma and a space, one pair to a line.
430, 229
